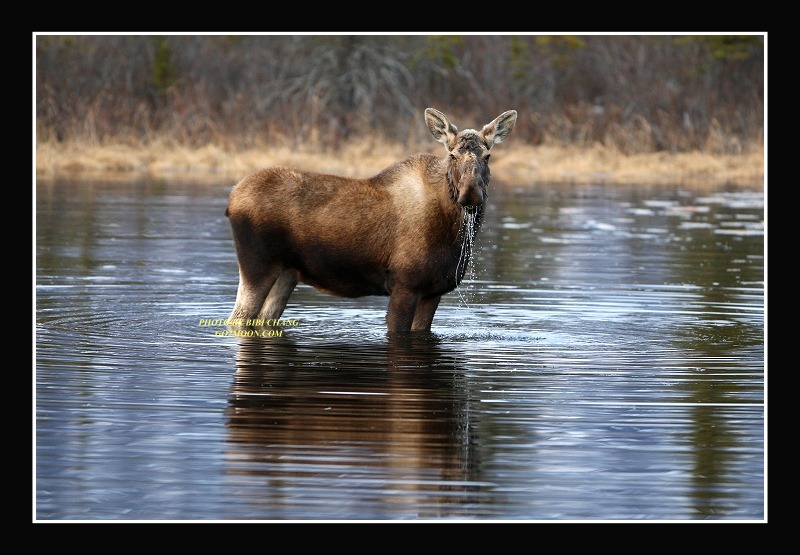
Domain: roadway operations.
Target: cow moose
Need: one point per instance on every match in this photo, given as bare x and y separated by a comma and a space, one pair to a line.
401, 233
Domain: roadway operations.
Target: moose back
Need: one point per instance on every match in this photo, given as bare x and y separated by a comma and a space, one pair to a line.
401, 233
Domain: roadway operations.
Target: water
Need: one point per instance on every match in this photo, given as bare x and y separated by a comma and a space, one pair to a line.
605, 361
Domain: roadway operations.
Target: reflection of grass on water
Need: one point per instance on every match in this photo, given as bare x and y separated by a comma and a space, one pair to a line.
519, 163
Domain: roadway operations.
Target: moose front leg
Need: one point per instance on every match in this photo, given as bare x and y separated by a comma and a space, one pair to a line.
253, 290
402, 307
423, 317
279, 295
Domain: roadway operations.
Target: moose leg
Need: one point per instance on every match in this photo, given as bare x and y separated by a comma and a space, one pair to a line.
423, 317
279, 295
252, 292
402, 306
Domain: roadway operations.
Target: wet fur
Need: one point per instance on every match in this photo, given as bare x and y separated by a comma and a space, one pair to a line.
399, 233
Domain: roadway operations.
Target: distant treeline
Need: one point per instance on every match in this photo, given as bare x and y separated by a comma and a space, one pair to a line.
638, 93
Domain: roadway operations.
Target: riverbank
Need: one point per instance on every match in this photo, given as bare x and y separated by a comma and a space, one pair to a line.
518, 164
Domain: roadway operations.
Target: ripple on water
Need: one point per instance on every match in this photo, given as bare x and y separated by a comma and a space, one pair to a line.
601, 360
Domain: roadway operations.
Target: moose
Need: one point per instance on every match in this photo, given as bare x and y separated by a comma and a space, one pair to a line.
401, 233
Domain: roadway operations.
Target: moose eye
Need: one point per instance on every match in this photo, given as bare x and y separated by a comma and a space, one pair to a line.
486, 158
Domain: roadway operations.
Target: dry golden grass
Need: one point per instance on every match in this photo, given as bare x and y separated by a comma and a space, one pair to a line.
603, 165
519, 164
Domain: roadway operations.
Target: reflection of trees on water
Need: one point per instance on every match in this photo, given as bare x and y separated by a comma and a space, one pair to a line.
62, 253
720, 341
662, 251
717, 339
387, 424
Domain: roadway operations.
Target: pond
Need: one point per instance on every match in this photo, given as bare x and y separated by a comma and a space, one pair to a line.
603, 360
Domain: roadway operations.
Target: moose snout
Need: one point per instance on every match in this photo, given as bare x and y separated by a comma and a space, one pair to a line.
471, 196
472, 183
471, 190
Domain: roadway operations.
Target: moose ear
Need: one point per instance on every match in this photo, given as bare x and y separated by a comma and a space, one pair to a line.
441, 128
496, 132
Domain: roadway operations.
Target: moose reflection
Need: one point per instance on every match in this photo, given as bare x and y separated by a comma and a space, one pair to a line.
396, 410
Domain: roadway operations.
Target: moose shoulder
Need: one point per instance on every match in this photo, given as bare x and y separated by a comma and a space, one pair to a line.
401, 233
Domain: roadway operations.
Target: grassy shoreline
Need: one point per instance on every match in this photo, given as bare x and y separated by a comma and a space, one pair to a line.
518, 164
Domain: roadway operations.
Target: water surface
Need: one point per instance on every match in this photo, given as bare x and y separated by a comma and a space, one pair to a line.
603, 361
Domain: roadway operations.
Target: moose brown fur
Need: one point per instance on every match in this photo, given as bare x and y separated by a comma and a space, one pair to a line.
400, 233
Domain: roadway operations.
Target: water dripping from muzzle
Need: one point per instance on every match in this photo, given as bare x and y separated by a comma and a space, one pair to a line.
466, 260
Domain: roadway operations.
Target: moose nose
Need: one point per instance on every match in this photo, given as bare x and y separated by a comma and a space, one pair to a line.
471, 196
